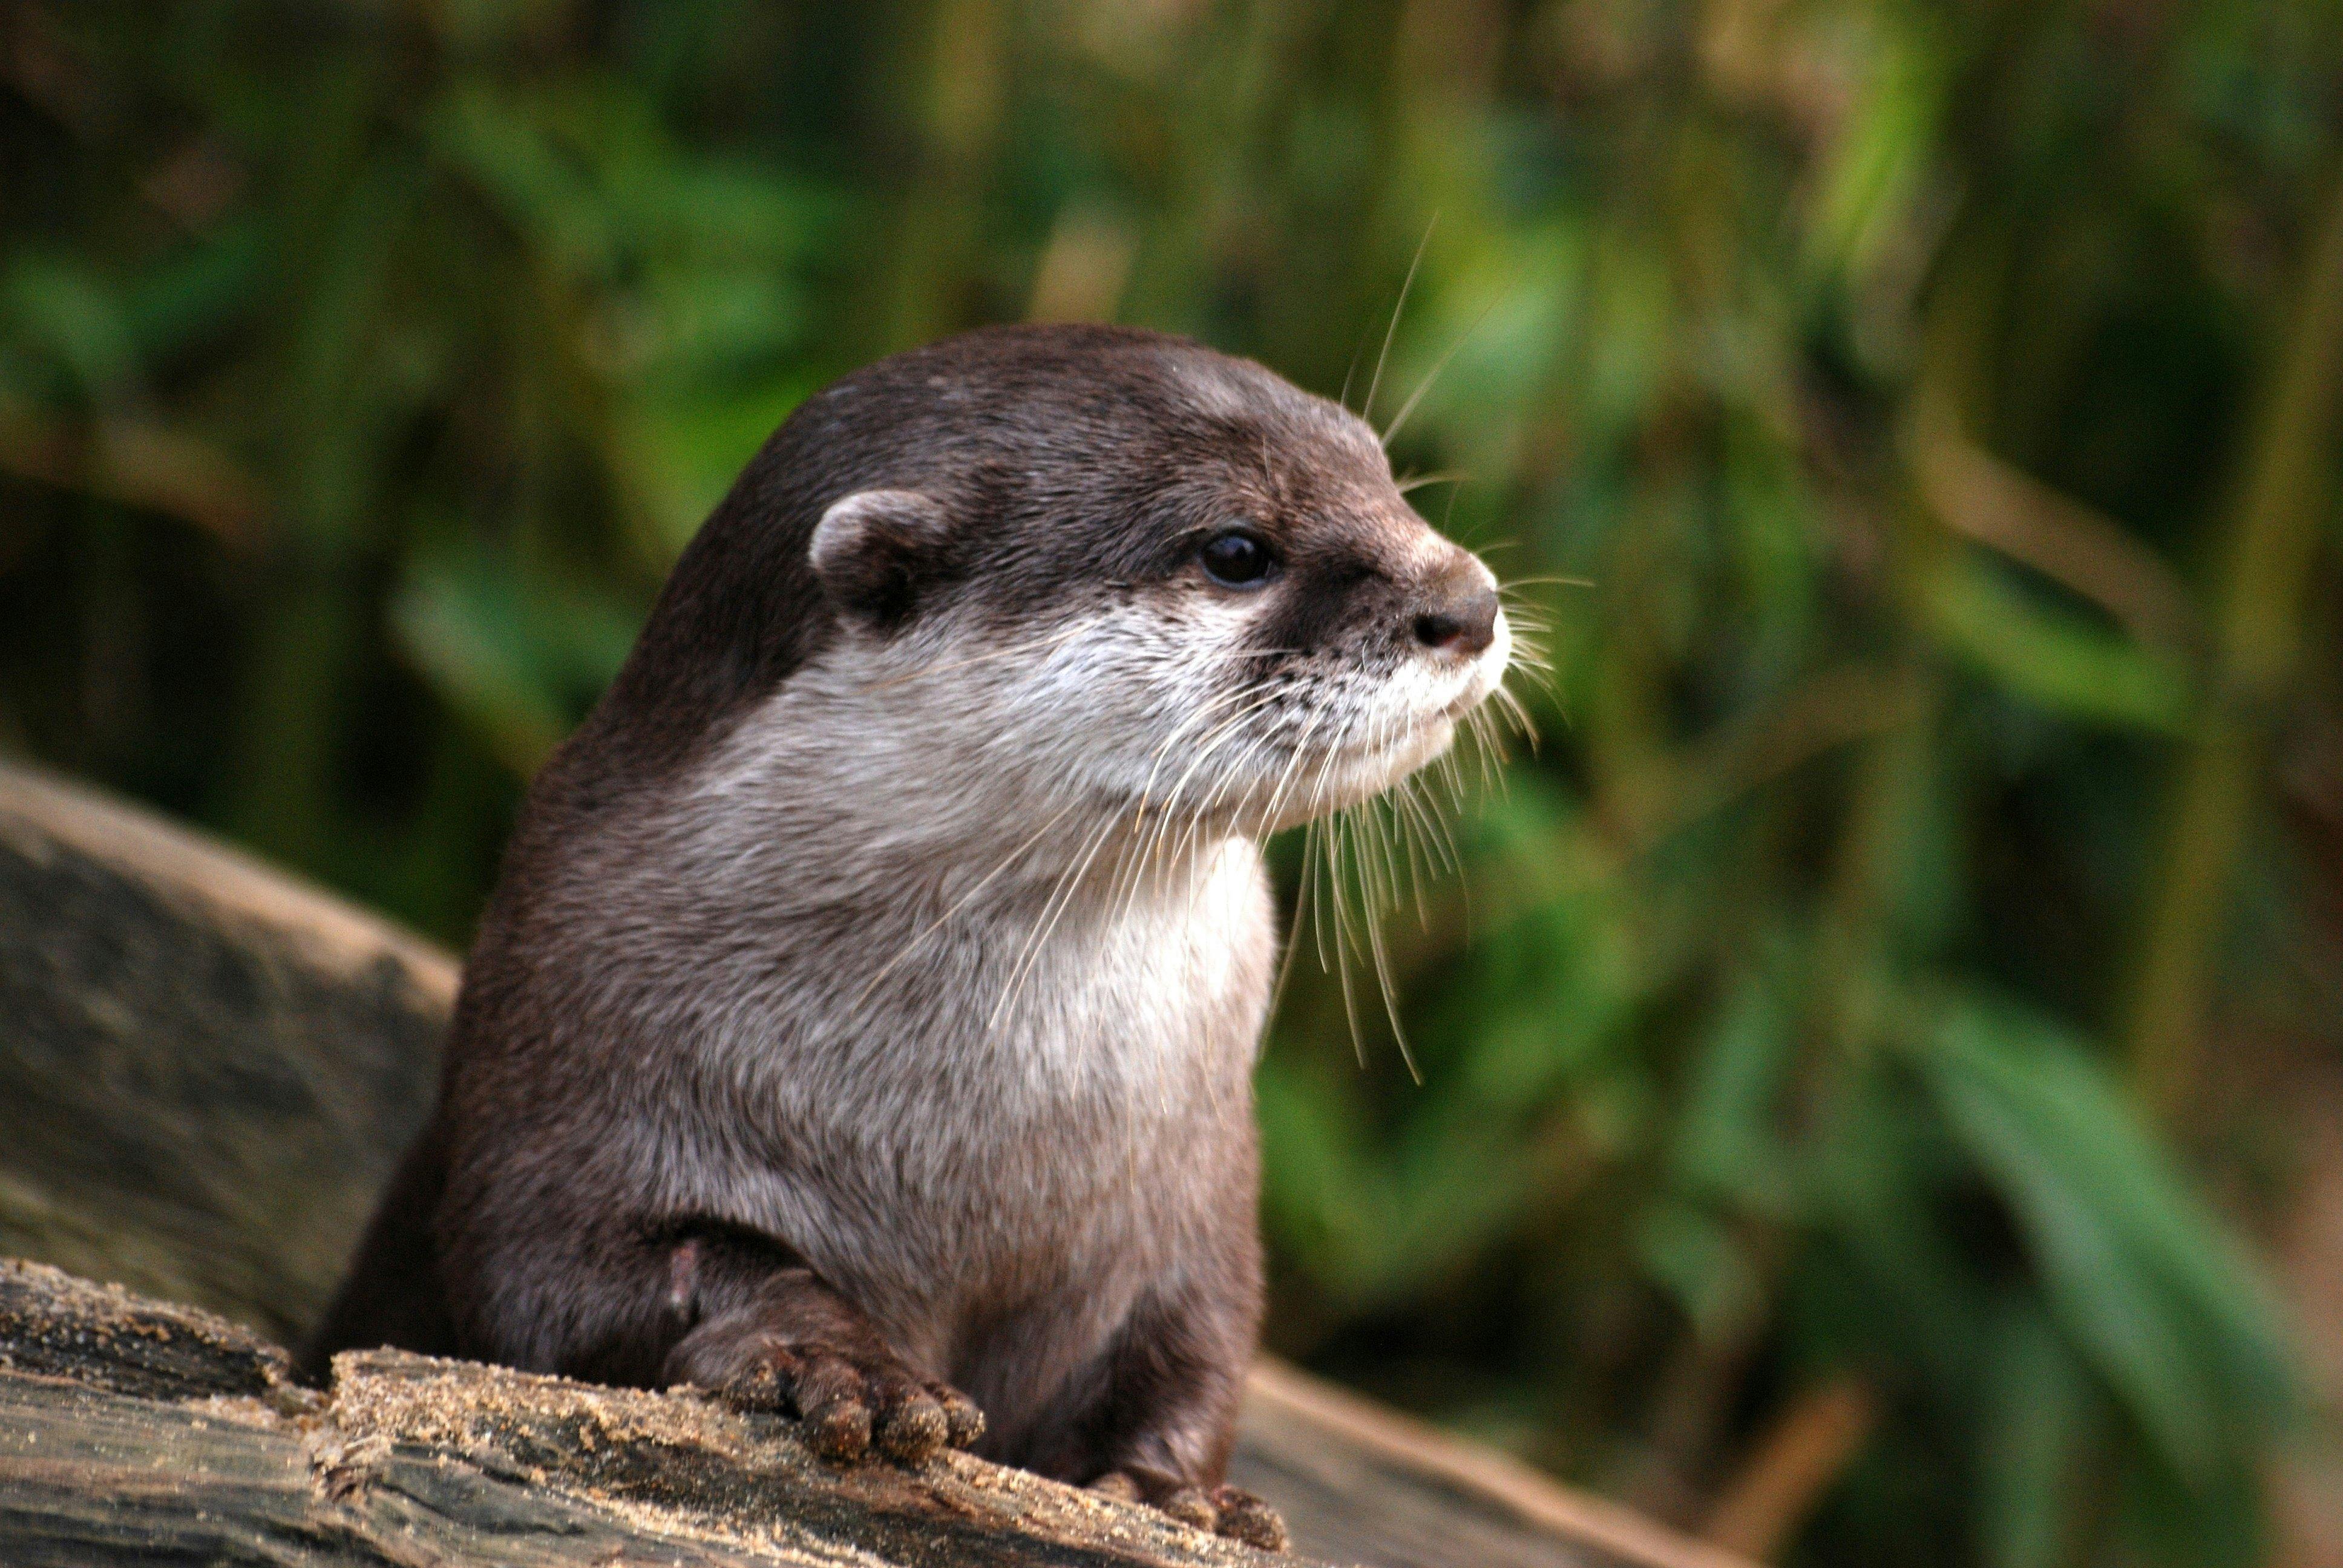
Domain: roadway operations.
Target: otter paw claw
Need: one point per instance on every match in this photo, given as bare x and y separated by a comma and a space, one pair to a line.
1227, 1510
1244, 1516
850, 1406
1192, 1507
963, 1422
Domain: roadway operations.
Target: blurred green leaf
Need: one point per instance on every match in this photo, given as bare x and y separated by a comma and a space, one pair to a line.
2138, 1274
2053, 658
65, 312
504, 145
1727, 1137
523, 659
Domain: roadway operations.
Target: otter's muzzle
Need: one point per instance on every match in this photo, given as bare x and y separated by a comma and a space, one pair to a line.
1458, 610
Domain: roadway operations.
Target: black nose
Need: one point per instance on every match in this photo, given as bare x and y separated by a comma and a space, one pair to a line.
1463, 617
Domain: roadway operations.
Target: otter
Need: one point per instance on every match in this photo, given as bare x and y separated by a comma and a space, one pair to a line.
862, 1023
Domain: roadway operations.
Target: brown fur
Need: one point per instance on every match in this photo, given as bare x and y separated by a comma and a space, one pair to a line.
760, 1079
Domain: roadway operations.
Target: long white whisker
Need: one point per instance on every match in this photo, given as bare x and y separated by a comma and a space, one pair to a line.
1060, 900
1367, 408
1300, 908
1416, 397
1292, 765
963, 901
1341, 949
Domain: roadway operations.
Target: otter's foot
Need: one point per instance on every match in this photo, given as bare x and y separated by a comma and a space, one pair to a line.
851, 1403
797, 1345
1229, 1510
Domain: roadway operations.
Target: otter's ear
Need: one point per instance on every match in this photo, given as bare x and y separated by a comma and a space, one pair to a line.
874, 551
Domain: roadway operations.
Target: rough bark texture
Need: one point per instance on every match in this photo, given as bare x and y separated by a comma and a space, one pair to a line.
131, 1430
206, 1072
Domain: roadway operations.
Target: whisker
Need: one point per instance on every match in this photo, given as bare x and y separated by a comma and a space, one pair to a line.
1532, 665
1416, 397
1483, 748
1054, 910
1422, 811
1206, 710
1453, 771
1388, 986
1421, 838
1341, 949
1357, 349
1531, 642
1367, 408
1300, 908
1231, 776
1422, 862
1150, 844
1219, 735
963, 901
1510, 707
1323, 829
1374, 832
1532, 582
1292, 766
1361, 829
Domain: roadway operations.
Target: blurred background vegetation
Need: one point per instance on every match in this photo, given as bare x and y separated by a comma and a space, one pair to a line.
1882, 1064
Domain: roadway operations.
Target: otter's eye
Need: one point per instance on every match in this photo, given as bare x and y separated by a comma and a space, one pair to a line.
1237, 560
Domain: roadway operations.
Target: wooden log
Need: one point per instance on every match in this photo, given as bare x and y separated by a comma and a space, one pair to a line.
133, 1431
207, 1070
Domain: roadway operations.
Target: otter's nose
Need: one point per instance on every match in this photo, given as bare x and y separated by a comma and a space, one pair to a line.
1461, 614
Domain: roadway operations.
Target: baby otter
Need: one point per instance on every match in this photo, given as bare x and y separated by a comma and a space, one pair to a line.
862, 1024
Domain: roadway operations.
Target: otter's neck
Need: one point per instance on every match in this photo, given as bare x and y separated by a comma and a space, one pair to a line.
831, 876
846, 787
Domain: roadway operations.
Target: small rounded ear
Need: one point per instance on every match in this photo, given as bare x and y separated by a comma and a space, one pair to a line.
874, 551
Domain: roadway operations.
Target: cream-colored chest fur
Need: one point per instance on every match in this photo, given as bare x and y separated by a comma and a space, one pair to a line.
1010, 1115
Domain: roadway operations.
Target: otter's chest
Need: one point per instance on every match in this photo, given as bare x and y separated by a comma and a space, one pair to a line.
1051, 1103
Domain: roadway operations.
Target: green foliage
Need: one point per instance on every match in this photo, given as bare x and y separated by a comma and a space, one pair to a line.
1915, 423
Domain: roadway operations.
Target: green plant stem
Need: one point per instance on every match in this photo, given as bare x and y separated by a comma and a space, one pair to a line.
2287, 496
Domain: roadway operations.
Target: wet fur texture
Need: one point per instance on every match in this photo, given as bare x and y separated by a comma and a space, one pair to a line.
870, 994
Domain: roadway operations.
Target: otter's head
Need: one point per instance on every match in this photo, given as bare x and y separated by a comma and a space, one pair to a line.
1151, 576
1122, 572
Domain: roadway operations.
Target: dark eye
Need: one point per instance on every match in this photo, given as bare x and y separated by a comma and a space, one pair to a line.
1237, 560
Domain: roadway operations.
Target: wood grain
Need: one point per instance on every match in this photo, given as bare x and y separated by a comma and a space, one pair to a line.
135, 1432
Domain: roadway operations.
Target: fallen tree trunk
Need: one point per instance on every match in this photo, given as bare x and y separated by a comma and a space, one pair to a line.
133, 1431
206, 1072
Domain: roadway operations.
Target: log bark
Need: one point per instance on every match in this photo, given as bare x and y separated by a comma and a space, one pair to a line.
207, 1070
135, 1432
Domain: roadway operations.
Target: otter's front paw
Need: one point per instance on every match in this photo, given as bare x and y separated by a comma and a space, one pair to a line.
1229, 1510
851, 1403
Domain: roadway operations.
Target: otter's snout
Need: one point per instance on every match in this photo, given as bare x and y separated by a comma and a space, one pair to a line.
1458, 610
